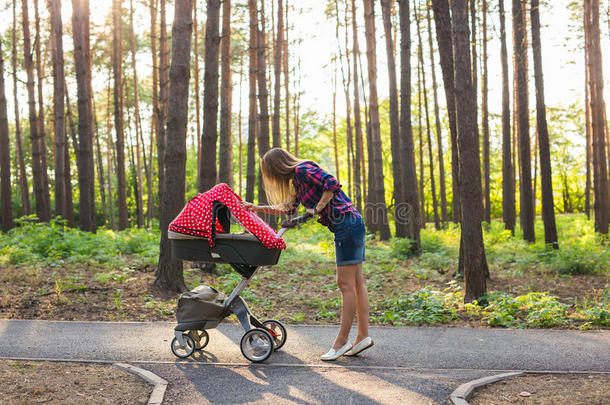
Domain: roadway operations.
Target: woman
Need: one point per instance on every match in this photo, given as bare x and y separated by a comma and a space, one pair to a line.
289, 182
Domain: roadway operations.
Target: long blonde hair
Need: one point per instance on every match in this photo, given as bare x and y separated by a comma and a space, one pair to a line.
277, 167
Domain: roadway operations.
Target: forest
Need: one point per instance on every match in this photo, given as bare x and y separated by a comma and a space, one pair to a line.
432, 115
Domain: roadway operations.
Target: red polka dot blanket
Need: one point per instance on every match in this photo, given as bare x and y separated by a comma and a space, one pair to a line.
196, 217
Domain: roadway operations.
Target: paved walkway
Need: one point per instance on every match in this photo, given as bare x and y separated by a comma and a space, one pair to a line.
406, 365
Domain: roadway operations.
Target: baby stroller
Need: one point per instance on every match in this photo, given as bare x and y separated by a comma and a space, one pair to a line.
201, 233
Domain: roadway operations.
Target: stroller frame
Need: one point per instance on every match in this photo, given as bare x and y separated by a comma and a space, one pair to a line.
245, 254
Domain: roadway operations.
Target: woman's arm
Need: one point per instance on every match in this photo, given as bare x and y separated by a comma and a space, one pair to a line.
326, 197
266, 209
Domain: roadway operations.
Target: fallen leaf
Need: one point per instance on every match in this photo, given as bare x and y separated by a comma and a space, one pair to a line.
525, 394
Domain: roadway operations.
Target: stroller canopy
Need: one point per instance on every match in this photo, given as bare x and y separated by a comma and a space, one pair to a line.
196, 218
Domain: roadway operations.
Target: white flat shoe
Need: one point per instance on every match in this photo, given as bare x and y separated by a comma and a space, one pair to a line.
361, 346
335, 354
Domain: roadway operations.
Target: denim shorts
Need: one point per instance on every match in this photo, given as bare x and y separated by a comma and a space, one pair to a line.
349, 239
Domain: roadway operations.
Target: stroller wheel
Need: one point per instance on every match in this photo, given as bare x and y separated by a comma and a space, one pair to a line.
277, 332
183, 351
256, 345
200, 337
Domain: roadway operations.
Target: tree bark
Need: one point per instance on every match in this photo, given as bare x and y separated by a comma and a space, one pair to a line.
208, 168
153, 6
37, 155
525, 181
485, 102
163, 103
139, 191
423, 212
117, 68
6, 196
398, 192
41, 116
225, 174
508, 191
109, 156
380, 208
287, 77
263, 117
359, 158
23, 180
409, 213
277, 70
59, 118
442, 20
82, 61
470, 169
169, 277
252, 111
601, 204
548, 206
437, 122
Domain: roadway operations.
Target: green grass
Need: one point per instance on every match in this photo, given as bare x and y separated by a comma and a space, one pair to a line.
308, 265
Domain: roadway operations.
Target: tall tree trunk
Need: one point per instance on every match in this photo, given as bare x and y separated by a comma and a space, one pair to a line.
140, 191
345, 79
82, 61
277, 69
6, 196
398, 192
548, 207
485, 102
335, 146
475, 264
69, 196
437, 122
252, 110
41, 120
100, 167
381, 210
420, 55
35, 135
287, 77
59, 117
208, 168
169, 276
239, 121
359, 158
525, 181
508, 191
596, 98
263, 132
155, 104
109, 157
117, 68
588, 151
442, 21
422, 199
225, 174
23, 180
409, 213
162, 104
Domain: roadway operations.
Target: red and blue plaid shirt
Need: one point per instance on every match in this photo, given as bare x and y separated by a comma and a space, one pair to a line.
310, 182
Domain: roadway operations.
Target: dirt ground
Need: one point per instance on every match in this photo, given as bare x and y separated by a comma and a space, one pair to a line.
69, 383
546, 389
293, 296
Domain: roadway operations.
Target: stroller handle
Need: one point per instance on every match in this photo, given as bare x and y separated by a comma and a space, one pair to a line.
292, 222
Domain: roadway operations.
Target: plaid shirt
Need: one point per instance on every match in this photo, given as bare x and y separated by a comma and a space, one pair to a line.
310, 182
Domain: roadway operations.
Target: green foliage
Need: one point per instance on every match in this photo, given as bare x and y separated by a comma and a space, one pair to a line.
538, 310
54, 244
425, 306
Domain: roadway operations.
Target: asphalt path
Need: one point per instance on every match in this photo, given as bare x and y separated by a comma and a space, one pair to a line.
406, 365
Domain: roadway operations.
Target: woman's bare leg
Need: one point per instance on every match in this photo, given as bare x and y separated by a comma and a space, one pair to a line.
362, 308
346, 280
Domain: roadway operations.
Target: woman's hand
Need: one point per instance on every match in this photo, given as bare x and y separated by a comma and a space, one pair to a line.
310, 211
249, 206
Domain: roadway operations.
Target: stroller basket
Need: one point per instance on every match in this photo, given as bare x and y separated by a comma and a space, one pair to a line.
240, 248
